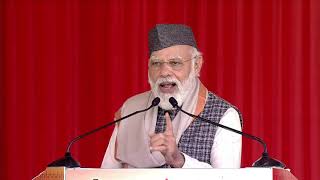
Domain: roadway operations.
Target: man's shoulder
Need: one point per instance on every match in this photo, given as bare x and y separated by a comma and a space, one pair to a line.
217, 101
214, 98
138, 100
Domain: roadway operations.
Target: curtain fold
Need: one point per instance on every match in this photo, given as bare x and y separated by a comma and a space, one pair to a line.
67, 66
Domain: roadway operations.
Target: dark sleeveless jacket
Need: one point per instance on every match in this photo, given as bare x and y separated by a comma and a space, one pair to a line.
197, 140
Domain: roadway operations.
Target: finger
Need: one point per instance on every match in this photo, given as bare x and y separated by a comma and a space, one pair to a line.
158, 142
157, 137
152, 134
169, 129
162, 149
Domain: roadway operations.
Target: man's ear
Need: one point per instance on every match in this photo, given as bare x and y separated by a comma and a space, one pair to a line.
198, 65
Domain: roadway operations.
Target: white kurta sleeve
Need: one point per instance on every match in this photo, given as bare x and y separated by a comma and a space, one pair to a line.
226, 149
109, 160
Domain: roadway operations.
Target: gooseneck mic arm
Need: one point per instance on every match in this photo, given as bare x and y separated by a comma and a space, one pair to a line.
68, 161
264, 161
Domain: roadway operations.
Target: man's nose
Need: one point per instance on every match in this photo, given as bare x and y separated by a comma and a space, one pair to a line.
165, 70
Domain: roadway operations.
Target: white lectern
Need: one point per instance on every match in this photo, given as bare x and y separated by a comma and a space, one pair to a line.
62, 173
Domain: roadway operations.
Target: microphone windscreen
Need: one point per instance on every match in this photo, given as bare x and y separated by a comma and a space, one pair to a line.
173, 102
155, 101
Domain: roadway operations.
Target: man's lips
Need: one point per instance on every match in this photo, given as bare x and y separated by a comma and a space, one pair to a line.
167, 87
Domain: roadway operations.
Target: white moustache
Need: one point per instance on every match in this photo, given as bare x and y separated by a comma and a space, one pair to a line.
167, 80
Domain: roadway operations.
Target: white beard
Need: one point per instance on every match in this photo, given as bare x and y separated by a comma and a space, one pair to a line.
183, 88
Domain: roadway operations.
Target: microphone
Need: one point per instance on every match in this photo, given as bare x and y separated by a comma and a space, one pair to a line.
264, 161
69, 162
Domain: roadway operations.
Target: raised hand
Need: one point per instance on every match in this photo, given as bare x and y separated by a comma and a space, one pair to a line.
166, 144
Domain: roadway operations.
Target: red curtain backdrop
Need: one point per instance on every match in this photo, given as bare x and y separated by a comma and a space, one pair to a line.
67, 65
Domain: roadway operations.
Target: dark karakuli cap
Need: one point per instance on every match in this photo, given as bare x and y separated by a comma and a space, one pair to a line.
166, 35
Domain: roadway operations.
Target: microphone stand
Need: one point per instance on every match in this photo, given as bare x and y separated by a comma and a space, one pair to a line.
68, 160
264, 161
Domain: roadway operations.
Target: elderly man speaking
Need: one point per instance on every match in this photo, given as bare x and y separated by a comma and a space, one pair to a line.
163, 136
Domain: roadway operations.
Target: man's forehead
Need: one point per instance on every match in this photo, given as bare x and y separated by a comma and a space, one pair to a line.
173, 51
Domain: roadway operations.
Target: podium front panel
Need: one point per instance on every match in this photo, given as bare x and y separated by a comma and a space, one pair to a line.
172, 174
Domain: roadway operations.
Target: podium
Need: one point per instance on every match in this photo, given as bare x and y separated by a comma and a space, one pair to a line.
62, 173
